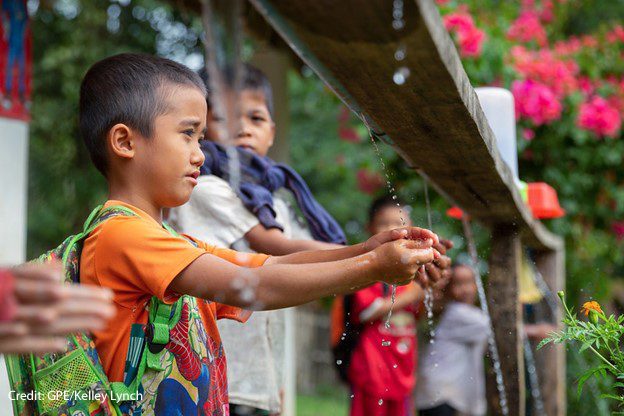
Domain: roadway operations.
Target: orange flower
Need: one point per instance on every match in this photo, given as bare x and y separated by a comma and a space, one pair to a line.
591, 306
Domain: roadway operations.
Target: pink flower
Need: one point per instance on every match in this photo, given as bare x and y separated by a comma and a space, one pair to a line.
528, 4
471, 42
346, 132
526, 28
617, 227
568, 47
459, 22
600, 117
589, 41
349, 135
544, 67
535, 101
369, 182
442, 2
586, 85
617, 34
469, 37
528, 134
547, 13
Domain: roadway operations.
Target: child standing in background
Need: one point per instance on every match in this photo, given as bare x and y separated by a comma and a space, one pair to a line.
382, 367
452, 379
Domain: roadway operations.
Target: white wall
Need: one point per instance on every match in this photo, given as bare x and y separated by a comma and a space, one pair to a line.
13, 195
13, 190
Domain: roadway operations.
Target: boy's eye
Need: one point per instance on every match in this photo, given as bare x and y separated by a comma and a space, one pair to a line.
189, 132
257, 118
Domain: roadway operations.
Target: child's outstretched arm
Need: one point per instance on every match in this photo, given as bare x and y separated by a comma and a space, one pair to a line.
321, 256
273, 241
279, 283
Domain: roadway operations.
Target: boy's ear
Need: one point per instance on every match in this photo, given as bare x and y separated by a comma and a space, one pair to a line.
121, 141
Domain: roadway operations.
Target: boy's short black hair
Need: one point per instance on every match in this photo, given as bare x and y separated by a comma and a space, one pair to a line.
252, 79
126, 88
385, 201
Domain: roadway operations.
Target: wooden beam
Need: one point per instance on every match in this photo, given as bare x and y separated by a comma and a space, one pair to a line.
434, 120
551, 360
506, 313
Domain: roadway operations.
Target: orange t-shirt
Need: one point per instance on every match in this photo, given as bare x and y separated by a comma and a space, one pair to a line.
137, 258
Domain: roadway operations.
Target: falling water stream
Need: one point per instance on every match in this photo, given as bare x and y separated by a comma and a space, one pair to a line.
392, 191
472, 250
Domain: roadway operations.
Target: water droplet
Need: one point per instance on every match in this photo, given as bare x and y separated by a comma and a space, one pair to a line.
400, 76
339, 362
398, 24
400, 53
380, 402
385, 343
353, 395
395, 366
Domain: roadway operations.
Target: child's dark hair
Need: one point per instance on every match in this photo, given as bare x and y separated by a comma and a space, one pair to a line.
385, 202
251, 79
126, 88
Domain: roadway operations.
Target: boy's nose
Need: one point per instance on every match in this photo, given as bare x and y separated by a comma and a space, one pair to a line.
198, 157
243, 128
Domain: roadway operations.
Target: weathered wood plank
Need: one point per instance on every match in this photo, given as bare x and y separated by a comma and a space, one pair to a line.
506, 313
434, 120
551, 359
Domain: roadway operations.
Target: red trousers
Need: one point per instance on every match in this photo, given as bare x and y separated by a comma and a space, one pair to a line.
365, 404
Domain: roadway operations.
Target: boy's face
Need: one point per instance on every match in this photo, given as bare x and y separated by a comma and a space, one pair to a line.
169, 161
463, 287
256, 127
389, 218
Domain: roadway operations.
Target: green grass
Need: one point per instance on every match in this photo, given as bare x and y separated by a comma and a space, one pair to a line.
330, 400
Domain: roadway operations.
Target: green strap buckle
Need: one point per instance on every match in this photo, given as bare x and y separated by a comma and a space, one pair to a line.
158, 334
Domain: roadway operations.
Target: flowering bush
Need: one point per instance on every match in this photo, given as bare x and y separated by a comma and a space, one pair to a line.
565, 68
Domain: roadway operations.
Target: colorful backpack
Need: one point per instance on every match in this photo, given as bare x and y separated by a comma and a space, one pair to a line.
73, 382
345, 333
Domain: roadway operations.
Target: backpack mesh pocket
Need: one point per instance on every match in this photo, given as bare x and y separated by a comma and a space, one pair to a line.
59, 382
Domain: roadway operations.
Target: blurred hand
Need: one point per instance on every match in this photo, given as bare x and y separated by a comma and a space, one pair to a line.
399, 260
48, 310
440, 268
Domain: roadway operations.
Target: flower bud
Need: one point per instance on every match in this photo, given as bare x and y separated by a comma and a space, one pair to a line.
593, 317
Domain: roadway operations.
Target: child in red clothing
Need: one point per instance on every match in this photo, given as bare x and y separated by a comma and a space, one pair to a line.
382, 369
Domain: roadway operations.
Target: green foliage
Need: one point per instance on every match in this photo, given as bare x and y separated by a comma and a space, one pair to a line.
69, 36
601, 336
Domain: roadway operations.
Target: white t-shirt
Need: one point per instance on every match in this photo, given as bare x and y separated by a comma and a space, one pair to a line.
451, 369
254, 350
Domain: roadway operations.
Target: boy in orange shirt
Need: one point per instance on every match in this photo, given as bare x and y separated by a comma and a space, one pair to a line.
142, 119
